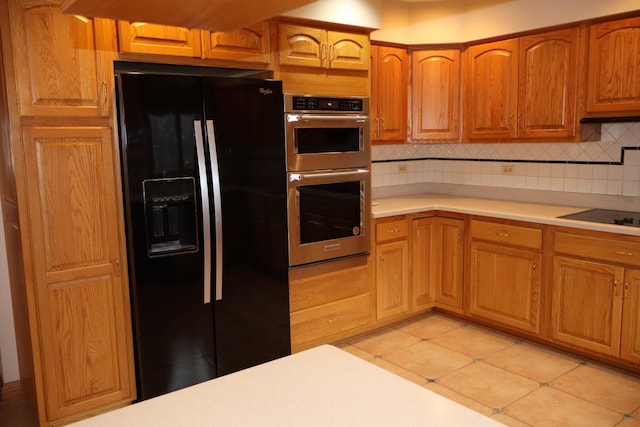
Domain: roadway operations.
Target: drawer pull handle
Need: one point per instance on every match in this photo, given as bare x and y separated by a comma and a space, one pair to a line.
395, 230
624, 253
503, 234
334, 320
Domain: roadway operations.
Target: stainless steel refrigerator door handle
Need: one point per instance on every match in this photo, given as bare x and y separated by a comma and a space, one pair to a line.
217, 205
204, 198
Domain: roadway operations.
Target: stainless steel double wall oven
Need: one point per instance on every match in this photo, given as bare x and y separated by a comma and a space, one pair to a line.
329, 177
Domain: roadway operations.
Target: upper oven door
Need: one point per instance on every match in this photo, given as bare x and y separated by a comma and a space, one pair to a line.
328, 214
327, 141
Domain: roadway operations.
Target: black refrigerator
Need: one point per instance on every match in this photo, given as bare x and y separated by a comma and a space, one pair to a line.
204, 188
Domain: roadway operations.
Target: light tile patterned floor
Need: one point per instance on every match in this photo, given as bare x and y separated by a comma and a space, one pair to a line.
514, 382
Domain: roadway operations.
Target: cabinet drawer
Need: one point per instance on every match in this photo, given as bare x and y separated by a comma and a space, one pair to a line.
612, 250
392, 230
324, 288
503, 233
326, 320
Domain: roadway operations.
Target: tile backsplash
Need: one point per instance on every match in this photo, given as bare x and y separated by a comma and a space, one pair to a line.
610, 166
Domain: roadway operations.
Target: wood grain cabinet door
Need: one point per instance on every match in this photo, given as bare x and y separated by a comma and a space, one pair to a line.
613, 76
389, 94
424, 264
251, 44
63, 62
586, 304
505, 285
82, 300
143, 37
450, 241
436, 94
492, 90
348, 51
392, 278
548, 84
630, 346
301, 46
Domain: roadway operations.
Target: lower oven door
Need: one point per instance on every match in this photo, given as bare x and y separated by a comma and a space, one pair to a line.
329, 214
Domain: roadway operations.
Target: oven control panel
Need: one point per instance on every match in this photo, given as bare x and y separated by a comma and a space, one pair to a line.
308, 103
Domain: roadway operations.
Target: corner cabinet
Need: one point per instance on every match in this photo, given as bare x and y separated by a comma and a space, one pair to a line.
389, 85
506, 98
437, 263
436, 94
70, 234
613, 84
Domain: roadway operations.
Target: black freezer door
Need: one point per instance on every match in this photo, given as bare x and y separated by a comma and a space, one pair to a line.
173, 328
252, 318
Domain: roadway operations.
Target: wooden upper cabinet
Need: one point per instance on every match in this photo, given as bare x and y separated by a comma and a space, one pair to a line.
251, 44
548, 84
315, 47
142, 37
63, 62
347, 51
524, 88
492, 90
389, 75
82, 307
299, 45
613, 76
436, 94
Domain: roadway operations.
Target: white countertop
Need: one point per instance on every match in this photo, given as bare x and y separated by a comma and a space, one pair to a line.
324, 386
532, 212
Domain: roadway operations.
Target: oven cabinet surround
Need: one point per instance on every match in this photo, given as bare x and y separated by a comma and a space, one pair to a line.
250, 45
613, 79
59, 82
435, 99
524, 88
329, 302
594, 298
505, 273
327, 60
389, 87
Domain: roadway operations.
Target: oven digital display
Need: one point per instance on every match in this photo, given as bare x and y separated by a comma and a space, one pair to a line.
313, 103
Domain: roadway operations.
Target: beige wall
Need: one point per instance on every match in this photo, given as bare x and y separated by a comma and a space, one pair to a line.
454, 21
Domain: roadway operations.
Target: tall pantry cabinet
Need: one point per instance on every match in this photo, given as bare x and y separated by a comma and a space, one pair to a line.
59, 192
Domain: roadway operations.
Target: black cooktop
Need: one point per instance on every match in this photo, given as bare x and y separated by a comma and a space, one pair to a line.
607, 216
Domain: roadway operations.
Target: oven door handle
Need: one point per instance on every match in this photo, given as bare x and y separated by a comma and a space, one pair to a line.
358, 118
296, 176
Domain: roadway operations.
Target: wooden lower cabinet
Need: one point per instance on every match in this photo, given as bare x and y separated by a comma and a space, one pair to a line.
596, 301
630, 343
329, 302
587, 304
505, 275
437, 263
392, 268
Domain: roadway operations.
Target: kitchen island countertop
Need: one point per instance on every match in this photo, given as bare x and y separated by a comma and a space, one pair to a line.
323, 386
520, 211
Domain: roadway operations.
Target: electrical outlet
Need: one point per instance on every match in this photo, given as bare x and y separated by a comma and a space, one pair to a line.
507, 169
402, 168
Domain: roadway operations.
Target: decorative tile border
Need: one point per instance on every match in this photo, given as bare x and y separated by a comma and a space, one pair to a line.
610, 166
